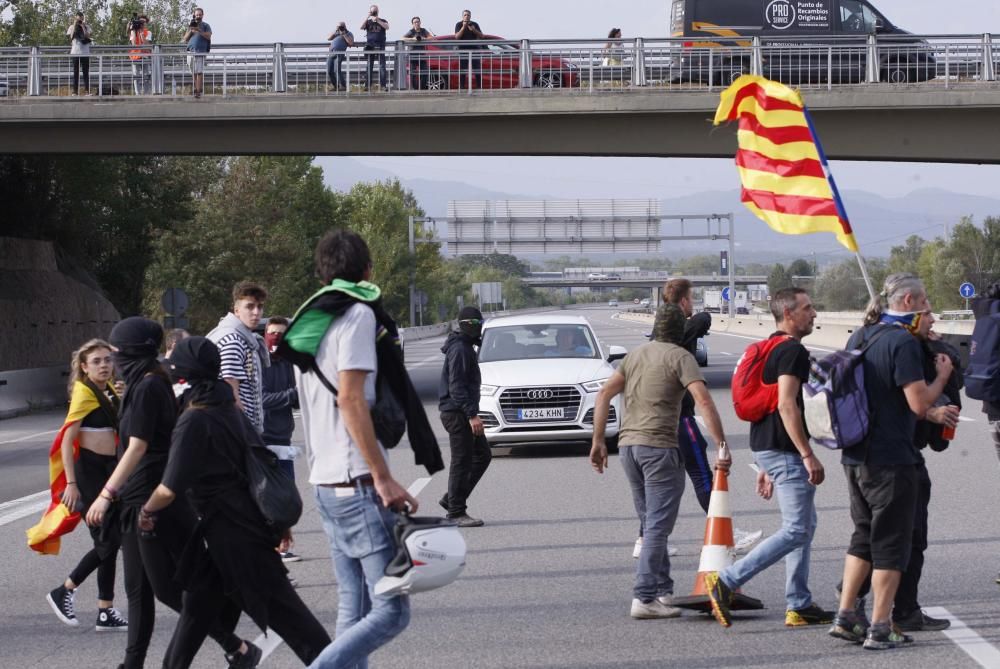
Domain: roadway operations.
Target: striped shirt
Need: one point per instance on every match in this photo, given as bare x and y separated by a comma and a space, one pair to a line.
240, 362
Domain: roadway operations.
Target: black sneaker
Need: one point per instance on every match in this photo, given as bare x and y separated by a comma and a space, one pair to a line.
443, 503
247, 660
721, 596
810, 615
61, 601
465, 520
885, 639
848, 630
918, 621
111, 620
289, 556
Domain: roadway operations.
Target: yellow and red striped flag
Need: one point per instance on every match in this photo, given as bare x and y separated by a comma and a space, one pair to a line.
785, 176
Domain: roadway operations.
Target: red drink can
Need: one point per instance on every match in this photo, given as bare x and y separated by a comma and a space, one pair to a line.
948, 433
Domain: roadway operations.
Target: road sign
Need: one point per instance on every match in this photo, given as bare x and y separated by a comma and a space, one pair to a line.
726, 294
723, 263
967, 290
174, 302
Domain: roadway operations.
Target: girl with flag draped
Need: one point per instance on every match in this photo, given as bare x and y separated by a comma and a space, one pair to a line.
80, 460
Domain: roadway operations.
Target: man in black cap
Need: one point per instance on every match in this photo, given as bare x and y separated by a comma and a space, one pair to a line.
458, 401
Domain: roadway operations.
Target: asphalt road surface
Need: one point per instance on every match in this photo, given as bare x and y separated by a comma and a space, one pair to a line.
548, 580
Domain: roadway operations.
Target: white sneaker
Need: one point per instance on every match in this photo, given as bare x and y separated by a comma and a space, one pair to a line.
637, 549
744, 541
654, 609
666, 600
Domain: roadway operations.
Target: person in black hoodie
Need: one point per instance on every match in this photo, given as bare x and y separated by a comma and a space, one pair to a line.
229, 563
148, 415
458, 401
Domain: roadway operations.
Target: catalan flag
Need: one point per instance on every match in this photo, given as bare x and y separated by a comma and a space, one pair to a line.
785, 176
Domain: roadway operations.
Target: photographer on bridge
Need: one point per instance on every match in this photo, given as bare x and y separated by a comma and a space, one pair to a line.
375, 29
79, 33
199, 42
138, 35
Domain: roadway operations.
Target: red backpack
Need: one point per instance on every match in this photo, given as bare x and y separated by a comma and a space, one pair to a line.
752, 398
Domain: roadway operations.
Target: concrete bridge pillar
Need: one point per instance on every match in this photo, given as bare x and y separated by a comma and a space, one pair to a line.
871, 61
639, 64
156, 63
756, 61
35, 72
524, 66
989, 71
279, 74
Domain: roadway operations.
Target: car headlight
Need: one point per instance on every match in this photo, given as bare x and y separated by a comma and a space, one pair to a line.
594, 386
486, 390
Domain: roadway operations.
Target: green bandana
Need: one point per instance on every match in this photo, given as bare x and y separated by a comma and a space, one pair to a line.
310, 323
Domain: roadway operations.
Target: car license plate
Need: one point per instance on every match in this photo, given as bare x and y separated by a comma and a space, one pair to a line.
540, 414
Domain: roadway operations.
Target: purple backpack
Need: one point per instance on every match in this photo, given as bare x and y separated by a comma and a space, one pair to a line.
834, 398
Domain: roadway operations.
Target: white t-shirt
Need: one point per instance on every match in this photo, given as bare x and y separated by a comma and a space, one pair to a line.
349, 344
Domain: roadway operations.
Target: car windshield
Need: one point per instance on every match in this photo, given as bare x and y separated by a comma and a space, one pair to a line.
541, 340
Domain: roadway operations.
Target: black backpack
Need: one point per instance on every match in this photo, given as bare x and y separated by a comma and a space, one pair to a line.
982, 377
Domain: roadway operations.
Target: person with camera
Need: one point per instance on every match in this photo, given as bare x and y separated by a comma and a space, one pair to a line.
375, 29
418, 65
199, 42
467, 29
138, 35
79, 34
339, 39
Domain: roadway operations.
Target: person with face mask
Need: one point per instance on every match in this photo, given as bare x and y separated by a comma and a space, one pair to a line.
281, 396
458, 402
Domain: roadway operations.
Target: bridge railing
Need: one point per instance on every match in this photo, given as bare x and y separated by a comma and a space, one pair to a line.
591, 66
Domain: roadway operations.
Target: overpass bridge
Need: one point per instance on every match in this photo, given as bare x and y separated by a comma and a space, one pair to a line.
649, 280
932, 98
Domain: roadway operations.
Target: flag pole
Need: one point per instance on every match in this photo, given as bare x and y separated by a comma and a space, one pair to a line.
841, 211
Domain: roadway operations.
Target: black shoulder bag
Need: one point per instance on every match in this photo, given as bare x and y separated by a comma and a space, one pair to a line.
388, 415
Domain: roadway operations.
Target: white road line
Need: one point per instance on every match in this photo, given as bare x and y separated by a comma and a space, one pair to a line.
418, 485
810, 347
267, 644
28, 436
973, 645
726, 353
25, 506
425, 361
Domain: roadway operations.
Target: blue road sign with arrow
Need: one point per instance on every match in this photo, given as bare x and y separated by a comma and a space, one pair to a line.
726, 294
967, 290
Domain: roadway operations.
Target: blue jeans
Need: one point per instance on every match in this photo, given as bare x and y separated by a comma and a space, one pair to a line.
656, 476
361, 544
796, 499
335, 69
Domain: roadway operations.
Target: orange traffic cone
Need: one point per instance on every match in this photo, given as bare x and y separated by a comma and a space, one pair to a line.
717, 552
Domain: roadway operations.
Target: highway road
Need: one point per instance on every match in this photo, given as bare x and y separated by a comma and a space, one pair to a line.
548, 581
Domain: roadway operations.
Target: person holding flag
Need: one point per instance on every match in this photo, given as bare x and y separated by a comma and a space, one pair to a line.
80, 461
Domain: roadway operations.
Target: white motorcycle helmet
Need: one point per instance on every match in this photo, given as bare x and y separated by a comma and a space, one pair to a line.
430, 554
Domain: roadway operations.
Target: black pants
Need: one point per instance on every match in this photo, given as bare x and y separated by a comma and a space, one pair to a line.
288, 616
376, 51
906, 601
92, 471
470, 457
418, 71
150, 563
81, 62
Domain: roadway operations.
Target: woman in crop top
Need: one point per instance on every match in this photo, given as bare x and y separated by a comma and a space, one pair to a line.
82, 458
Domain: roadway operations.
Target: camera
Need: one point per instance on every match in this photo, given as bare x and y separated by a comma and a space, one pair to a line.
194, 22
136, 24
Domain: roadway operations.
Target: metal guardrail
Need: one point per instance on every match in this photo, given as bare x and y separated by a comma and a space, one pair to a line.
591, 66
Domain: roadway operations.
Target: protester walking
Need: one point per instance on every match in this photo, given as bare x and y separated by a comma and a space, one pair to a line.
458, 402
80, 461
653, 379
341, 341
281, 397
375, 28
229, 562
789, 470
79, 34
244, 356
881, 473
339, 40
148, 415
693, 446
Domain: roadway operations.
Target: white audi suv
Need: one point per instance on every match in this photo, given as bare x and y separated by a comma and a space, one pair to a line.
540, 377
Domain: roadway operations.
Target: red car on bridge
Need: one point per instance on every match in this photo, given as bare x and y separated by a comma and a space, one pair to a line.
442, 63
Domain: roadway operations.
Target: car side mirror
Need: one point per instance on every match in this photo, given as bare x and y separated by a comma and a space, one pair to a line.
616, 353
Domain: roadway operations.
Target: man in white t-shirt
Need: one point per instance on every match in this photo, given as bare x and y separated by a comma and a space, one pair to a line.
356, 495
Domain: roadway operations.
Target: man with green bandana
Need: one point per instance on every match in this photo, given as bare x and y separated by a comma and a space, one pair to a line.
334, 339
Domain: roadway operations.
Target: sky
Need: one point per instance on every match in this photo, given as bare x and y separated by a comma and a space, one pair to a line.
247, 21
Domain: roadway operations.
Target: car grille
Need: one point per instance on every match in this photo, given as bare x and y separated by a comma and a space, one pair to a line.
566, 397
588, 418
489, 419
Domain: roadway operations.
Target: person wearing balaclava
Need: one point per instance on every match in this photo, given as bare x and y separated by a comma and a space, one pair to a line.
458, 402
238, 567
148, 415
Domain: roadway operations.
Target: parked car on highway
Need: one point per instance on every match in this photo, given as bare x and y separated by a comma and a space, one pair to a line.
644, 302
540, 378
612, 303
499, 65
742, 310
597, 276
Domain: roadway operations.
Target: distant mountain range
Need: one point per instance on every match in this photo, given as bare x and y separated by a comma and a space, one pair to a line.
879, 222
